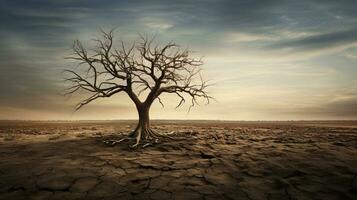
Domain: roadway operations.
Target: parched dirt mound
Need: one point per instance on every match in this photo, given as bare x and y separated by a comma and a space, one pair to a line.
209, 160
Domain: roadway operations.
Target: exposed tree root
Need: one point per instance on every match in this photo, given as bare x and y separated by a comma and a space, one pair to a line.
147, 135
114, 142
143, 137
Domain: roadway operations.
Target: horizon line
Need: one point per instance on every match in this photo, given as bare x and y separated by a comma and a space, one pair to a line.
83, 120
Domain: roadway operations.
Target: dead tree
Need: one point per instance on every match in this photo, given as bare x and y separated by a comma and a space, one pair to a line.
140, 69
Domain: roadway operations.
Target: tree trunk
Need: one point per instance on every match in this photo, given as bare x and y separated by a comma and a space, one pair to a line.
143, 130
144, 119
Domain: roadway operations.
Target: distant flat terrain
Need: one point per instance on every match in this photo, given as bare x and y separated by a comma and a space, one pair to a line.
205, 160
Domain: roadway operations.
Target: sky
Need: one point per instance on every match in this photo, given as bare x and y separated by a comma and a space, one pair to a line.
268, 59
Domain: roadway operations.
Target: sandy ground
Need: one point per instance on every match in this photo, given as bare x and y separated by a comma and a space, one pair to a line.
209, 160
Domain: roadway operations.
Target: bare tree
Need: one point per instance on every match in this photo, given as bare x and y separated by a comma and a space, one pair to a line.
139, 69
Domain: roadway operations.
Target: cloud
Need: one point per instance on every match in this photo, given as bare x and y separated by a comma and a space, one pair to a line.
331, 40
244, 37
157, 23
345, 108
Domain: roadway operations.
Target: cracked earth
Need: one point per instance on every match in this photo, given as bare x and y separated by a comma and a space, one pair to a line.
207, 160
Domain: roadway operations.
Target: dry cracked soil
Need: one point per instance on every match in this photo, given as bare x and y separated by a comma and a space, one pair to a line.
207, 160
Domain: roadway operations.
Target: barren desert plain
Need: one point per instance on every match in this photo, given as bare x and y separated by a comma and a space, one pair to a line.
204, 160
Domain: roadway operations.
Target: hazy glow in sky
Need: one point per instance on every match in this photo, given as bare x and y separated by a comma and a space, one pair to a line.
270, 60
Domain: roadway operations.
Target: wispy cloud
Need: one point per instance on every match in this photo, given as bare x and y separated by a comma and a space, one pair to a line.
331, 40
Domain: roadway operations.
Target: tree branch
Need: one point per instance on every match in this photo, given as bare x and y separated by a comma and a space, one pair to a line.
108, 69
